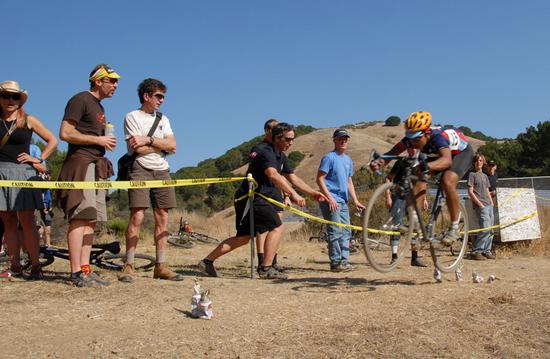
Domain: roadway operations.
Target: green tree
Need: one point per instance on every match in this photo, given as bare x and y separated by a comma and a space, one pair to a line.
393, 121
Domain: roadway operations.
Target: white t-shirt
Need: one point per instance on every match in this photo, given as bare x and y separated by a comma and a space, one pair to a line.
139, 123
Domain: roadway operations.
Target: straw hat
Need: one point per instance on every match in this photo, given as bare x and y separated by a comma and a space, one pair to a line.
13, 86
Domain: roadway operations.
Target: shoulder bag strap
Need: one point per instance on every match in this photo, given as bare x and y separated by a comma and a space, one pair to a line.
158, 117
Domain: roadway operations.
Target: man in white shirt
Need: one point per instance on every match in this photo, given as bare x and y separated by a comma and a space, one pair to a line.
150, 164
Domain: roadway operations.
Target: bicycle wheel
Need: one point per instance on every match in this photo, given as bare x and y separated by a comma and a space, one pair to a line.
203, 238
182, 241
116, 261
45, 260
381, 230
448, 259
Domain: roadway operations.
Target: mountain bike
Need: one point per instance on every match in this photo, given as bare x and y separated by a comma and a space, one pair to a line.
106, 256
186, 237
381, 230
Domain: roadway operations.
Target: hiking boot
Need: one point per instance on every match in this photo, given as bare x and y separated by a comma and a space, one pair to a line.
335, 268
163, 272
489, 255
36, 274
96, 278
209, 269
128, 272
417, 263
450, 237
271, 273
80, 280
477, 256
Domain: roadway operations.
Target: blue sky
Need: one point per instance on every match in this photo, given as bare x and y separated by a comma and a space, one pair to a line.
231, 65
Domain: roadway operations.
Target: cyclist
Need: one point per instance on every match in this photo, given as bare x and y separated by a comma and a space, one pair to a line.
448, 151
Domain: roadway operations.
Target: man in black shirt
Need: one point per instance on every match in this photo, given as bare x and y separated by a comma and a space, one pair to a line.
266, 167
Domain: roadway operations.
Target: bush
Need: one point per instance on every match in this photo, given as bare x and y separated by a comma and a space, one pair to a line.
118, 225
294, 158
393, 121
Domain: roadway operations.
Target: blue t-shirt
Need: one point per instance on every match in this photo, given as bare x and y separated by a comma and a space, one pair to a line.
339, 168
35, 151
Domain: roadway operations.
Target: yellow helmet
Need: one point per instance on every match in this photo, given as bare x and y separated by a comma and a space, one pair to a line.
417, 123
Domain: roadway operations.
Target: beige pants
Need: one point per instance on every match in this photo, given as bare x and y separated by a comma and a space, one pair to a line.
93, 206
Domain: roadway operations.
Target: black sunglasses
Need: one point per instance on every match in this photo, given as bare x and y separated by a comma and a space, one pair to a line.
13, 96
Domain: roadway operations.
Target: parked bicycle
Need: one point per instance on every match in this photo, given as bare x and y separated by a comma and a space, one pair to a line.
380, 229
106, 256
186, 237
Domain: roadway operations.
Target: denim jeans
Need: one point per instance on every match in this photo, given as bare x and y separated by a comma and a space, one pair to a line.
397, 211
484, 240
338, 237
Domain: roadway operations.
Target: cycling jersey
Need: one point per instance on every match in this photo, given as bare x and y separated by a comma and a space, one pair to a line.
440, 138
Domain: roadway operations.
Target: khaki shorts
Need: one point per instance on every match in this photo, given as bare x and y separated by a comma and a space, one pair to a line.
164, 197
93, 206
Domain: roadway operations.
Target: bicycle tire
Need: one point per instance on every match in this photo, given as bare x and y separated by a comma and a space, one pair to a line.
182, 241
448, 259
204, 238
377, 222
116, 261
45, 260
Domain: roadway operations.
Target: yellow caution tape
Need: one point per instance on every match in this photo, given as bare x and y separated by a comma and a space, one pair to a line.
377, 231
520, 219
117, 184
512, 196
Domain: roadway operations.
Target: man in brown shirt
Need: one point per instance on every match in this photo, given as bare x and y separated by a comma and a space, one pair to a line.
83, 128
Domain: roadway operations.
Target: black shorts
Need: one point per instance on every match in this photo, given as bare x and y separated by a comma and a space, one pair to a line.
46, 218
265, 217
463, 162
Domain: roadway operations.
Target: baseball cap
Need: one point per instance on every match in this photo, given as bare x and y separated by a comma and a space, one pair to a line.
340, 133
492, 163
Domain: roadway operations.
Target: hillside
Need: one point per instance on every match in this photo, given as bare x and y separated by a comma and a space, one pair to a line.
315, 144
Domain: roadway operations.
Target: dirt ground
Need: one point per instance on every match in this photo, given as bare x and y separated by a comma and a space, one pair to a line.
314, 314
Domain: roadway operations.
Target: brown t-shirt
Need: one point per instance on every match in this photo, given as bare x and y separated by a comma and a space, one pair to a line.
89, 117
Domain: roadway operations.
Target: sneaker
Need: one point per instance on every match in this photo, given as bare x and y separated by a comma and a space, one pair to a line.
163, 272
336, 268
450, 237
81, 280
489, 255
209, 269
36, 274
417, 263
128, 272
271, 273
477, 256
278, 268
346, 267
8, 274
96, 278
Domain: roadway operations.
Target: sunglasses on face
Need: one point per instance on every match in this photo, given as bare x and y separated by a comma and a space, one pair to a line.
110, 80
288, 139
8, 95
159, 96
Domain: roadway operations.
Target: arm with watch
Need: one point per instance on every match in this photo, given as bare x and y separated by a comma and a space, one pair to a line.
143, 145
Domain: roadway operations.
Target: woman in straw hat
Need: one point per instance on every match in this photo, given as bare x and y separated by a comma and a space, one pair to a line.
17, 205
